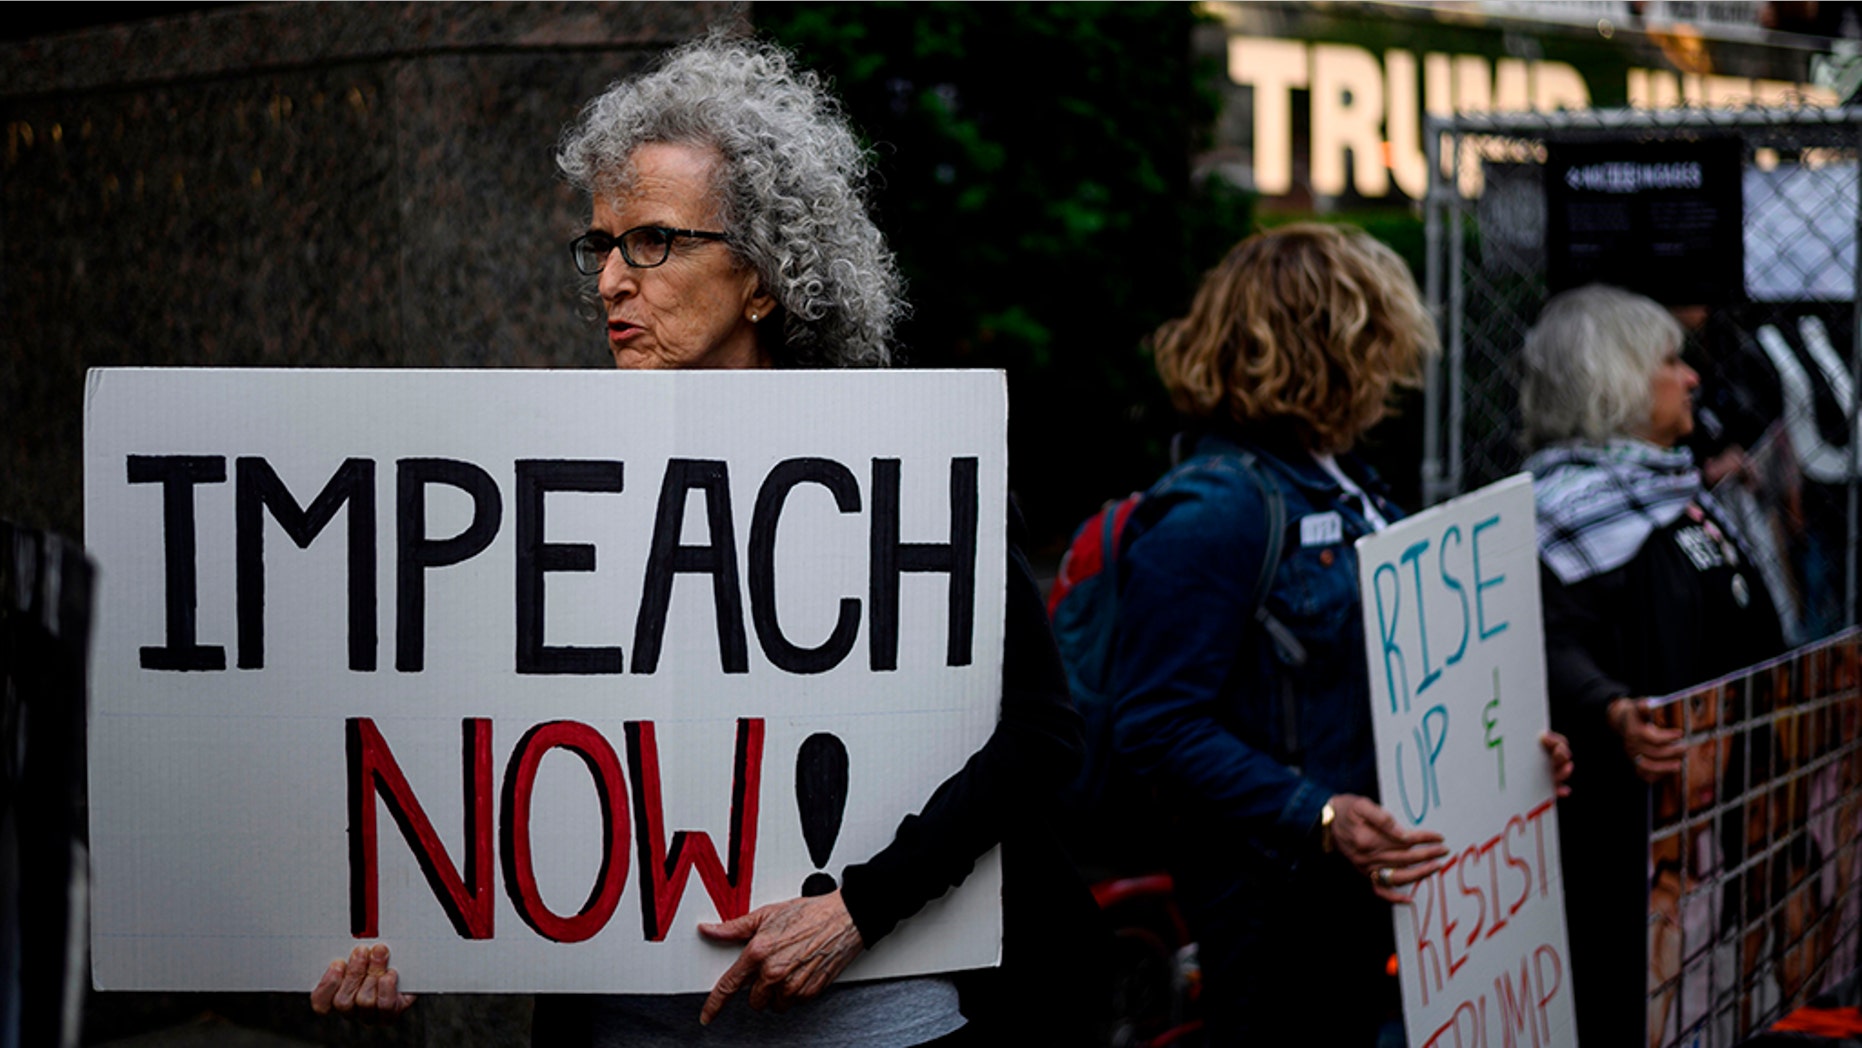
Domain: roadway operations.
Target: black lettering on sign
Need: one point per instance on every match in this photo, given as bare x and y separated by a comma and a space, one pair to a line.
536, 478
787, 475
669, 557
892, 558
178, 475
415, 552
259, 491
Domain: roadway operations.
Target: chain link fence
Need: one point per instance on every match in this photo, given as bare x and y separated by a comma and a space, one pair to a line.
1779, 353
1779, 361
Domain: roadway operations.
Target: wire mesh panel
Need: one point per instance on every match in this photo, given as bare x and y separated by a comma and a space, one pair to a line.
1777, 351
1754, 905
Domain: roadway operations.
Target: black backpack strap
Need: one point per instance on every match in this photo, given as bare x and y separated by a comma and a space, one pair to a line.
1292, 652
1275, 506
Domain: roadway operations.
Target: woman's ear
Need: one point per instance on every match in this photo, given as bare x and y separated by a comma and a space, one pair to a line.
759, 306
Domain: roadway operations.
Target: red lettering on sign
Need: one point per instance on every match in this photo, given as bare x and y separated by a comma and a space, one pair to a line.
1547, 990
1536, 815
1468, 858
1466, 1017
1448, 926
663, 870
373, 772
1492, 849
520, 879
1524, 1004
1515, 1002
1516, 823
1428, 961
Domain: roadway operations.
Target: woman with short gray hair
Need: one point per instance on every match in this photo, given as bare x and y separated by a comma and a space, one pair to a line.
1587, 364
1647, 590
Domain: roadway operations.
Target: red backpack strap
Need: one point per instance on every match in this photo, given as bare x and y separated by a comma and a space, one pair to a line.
1094, 549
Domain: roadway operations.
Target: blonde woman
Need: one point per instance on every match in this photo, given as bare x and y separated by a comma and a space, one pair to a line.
1285, 862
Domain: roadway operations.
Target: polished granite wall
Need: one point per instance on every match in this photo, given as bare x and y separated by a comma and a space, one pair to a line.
305, 185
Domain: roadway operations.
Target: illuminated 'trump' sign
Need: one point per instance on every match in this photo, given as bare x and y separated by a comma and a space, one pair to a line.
1371, 108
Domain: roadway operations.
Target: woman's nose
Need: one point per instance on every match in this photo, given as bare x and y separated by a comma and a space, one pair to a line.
617, 277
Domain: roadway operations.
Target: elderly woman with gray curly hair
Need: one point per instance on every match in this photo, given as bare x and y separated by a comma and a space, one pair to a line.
729, 230
1647, 590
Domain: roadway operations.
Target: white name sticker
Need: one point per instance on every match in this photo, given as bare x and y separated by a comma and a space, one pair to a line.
1322, 529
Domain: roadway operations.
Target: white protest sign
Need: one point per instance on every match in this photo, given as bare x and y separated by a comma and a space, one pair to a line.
527, 673
1457, 668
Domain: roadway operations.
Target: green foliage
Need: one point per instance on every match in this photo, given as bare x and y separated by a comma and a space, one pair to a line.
1033, 177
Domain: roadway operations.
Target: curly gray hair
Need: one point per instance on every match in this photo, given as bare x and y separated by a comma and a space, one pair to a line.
790, 189
1586, 365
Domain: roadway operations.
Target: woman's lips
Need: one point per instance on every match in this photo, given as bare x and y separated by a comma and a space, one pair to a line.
621, 330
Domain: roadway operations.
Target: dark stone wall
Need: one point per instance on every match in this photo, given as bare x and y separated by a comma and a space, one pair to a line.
293, 185
302, 185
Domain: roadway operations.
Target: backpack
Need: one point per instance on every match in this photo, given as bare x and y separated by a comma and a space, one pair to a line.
1083, 609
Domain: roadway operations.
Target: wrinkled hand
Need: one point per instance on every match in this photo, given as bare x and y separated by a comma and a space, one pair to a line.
1558, 752
793, 951
1370, 839
1654, 750
363, 988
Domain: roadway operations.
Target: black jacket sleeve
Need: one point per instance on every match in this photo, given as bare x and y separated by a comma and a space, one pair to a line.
1576, 631
1034, 751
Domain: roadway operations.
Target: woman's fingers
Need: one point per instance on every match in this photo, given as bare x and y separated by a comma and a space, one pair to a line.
353, 973
368, 995
392, 1001
1650, 770
1404, 876
1656, 738
363, 987
323, 995
1394, 884
794, 950
1361, 826
1558, 754
1654, 750
1408, 857
1652, 736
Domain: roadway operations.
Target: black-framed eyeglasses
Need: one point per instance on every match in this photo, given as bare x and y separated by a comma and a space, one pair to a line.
642, 247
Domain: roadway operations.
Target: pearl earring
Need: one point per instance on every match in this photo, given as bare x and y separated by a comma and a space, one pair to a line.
754, 317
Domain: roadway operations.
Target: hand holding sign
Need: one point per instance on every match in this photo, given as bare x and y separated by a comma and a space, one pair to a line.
1370, 839
363, 987
1654, 750
1558, 754
793, 951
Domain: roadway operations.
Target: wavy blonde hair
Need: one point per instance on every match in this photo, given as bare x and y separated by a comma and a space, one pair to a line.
1309, 325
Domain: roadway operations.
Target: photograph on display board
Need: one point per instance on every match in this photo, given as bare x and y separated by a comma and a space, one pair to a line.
1753, 907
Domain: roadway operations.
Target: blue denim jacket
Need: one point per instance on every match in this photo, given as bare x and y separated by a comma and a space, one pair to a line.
1199, 711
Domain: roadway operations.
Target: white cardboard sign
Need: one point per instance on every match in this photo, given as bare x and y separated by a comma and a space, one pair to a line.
1457, 669
527, 673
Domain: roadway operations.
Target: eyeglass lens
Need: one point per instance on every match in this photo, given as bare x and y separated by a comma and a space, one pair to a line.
642, 247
